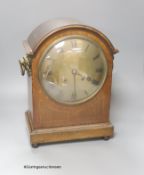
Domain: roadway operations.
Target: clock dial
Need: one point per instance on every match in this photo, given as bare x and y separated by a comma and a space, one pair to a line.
72, 69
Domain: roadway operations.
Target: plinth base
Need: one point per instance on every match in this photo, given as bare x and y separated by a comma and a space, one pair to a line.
69, 133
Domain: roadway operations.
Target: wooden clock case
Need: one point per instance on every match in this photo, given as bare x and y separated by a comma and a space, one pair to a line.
49, 121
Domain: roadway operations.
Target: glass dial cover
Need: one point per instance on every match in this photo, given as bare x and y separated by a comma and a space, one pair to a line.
73, 69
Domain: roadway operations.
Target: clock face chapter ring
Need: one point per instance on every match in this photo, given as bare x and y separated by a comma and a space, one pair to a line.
72, 69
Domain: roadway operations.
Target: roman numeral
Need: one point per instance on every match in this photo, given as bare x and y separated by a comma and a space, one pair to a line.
95, 82
86, 49
96, 57
74, 43
73, 96
99, 70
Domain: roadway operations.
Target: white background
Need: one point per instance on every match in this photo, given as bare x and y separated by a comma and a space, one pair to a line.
123, 22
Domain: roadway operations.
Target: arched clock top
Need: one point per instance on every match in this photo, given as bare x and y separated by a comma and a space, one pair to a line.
44, 30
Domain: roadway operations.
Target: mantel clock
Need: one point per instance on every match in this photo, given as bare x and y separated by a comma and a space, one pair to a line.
69, 67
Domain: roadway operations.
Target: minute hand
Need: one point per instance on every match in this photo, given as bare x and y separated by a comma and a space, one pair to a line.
74, 72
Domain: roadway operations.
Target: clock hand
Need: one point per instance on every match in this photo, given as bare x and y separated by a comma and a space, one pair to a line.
88, 78
74, 73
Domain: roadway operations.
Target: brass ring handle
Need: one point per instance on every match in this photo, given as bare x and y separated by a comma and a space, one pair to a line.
25, 65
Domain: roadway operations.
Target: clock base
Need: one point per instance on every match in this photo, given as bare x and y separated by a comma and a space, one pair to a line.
68, 133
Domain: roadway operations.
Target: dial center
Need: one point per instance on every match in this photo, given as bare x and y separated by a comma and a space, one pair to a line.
74, 71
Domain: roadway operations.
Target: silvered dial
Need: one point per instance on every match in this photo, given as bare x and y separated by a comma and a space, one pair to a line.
72, 69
